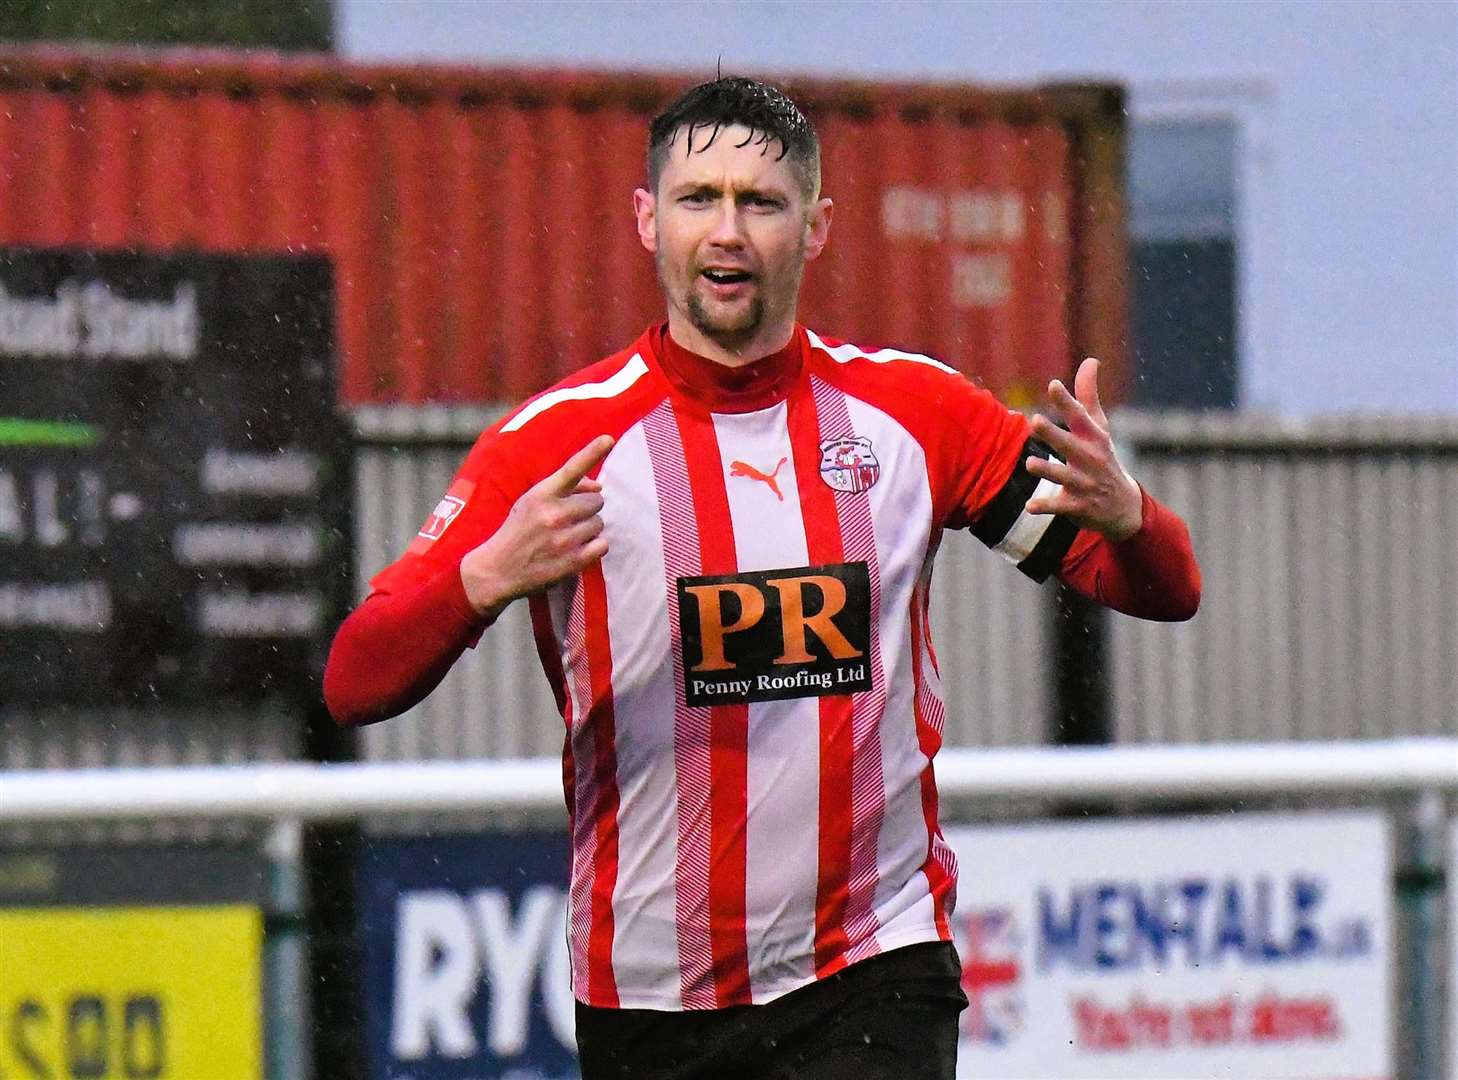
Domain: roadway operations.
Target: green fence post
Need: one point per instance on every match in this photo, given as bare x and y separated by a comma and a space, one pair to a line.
285, 984
1419, 981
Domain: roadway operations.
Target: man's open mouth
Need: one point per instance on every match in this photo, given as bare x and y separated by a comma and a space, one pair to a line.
727, 277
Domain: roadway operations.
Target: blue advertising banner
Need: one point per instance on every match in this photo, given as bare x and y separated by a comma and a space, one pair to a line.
466, 972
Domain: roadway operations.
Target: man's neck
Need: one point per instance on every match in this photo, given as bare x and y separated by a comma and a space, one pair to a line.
768, 340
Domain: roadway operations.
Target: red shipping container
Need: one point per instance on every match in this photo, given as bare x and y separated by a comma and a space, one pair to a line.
479, 221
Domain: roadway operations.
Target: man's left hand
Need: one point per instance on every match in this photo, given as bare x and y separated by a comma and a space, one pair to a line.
1097, 493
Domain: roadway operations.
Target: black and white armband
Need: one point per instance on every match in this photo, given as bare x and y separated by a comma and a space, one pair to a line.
1036, 543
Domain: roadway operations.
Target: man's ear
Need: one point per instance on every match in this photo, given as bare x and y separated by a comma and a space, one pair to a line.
645, 210
817, 228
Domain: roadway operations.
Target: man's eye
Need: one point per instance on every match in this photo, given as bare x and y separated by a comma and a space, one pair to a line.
759, 202
695, 198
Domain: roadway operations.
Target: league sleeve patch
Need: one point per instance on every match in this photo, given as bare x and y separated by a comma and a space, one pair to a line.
446, 511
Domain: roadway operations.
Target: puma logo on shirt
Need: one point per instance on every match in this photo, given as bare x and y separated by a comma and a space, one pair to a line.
739, 468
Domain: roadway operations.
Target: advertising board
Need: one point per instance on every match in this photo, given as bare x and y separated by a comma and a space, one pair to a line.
1251, 947
174, 478
135, 962
466, 972
131, 993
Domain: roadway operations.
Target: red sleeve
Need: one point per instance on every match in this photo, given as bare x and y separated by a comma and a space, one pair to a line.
972, 441
977, 451
1151, 575
985, 442
468, 514
396, 647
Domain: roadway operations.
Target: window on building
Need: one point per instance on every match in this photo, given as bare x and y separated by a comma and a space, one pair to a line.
1183, 253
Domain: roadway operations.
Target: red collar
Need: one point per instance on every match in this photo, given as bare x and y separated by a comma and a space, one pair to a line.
754, 386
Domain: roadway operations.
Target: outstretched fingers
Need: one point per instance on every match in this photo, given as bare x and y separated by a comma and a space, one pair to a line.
1086, 391
1060, 502
1071, 410
575, 469
1064, 500
1064, 443
1094, 490
1049, 469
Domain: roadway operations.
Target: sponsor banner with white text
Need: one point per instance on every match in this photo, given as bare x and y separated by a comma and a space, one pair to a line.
466, 969
1249, 946
175, 478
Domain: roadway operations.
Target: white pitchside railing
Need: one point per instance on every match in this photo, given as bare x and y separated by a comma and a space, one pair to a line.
1416, 775
323, 792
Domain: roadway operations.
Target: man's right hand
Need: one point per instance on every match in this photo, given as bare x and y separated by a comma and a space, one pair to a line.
553, 532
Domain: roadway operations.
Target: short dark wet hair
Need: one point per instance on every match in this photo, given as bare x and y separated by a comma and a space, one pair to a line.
731, 100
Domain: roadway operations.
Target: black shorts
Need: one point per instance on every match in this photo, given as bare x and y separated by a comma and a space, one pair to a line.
891, 1017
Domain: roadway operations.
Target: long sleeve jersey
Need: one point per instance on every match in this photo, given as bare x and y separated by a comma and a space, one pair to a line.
747, 680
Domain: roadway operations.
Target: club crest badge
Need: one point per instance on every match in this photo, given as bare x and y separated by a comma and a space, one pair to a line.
849, 465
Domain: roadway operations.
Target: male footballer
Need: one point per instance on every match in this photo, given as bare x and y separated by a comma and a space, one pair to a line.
725, 533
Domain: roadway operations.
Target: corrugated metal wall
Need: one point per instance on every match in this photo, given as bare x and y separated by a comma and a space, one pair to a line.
992, 633
96, 739
480, 221
1330, 554
1330, 557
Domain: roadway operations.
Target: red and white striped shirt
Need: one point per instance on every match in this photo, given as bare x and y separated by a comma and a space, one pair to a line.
747, 678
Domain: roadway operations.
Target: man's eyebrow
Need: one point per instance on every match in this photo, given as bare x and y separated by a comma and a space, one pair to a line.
709, 187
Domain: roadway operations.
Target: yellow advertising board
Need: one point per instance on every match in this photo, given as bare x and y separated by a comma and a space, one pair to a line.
131, 993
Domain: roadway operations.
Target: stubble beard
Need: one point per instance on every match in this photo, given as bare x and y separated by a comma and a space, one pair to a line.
730, 333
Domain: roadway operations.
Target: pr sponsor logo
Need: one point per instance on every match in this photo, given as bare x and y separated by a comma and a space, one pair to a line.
769, 635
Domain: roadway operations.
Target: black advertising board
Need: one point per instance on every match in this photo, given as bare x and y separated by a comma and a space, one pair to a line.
166, 875
174, 478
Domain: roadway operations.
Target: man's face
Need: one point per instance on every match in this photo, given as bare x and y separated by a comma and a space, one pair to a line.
731, 230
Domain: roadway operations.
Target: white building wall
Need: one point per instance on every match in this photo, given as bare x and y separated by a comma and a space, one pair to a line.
1348, 223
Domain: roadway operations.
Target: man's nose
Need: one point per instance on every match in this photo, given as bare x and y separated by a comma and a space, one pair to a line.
727, 230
